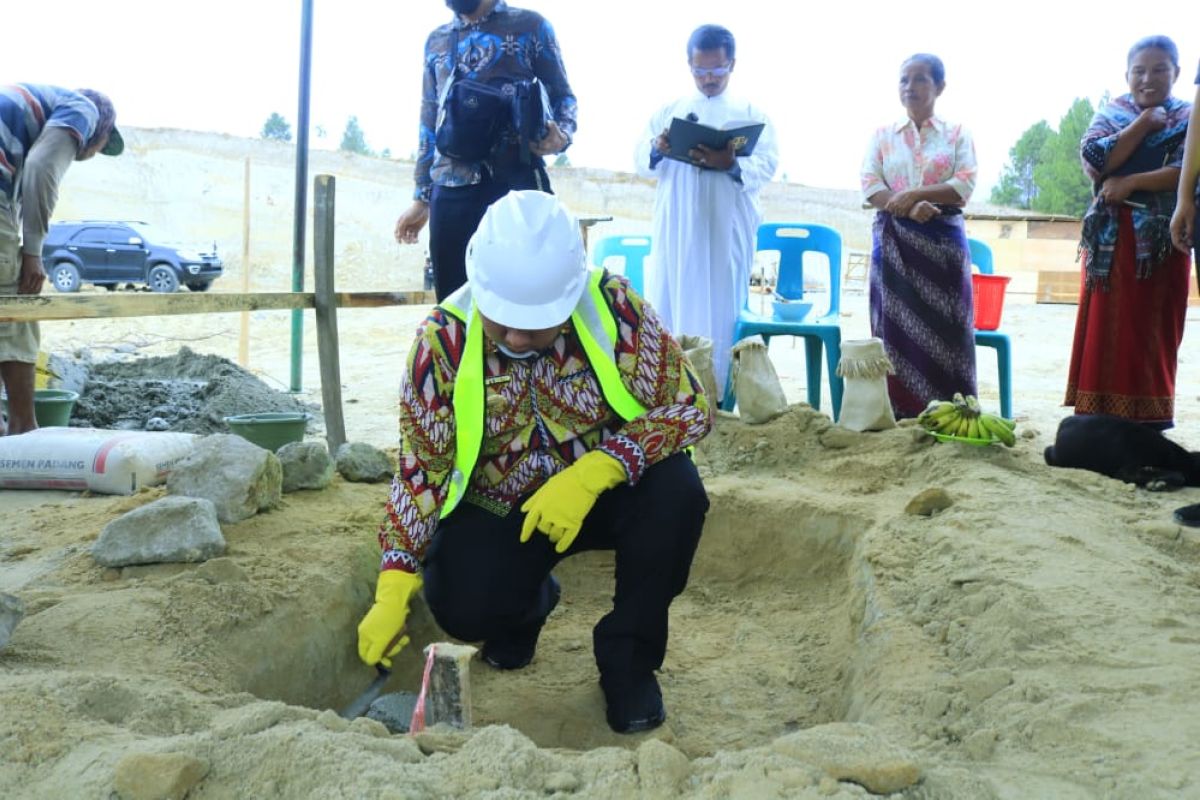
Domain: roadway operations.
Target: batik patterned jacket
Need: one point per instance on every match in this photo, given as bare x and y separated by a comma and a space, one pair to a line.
543, 413
508, 44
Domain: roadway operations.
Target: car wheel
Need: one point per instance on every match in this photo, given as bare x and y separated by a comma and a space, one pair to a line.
162, 279
65, 277
200, 286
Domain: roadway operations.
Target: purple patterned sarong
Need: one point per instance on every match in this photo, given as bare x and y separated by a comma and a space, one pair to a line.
922, 309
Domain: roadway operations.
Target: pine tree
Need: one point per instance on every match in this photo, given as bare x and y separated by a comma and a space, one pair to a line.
277, 129
1062, 187
1017, 187
353, 140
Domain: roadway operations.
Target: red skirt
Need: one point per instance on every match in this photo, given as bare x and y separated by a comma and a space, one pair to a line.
1127, 337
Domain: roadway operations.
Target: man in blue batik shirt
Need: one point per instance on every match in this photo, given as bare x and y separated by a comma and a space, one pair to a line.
496, 44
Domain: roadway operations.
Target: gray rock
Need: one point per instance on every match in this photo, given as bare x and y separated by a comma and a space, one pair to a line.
158, 776
239, 478
363, 464
11, 612
853, 752
169, 530
306, 465
68, 373
928, 503
394, 710
661, 769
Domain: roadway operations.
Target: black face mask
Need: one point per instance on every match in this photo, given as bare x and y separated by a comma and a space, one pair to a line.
464, 7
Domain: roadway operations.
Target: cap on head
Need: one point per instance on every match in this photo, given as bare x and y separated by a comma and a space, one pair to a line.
106, 122
526, 263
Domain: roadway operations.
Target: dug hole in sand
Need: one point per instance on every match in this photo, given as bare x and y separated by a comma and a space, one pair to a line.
1037, 638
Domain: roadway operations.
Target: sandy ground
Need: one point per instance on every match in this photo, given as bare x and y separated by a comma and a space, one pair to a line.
1039, 638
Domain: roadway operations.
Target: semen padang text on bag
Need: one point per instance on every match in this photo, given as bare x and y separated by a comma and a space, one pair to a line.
760, 396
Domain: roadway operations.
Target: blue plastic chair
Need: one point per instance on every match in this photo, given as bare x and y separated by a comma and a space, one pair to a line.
818, 335
631, 249
792, 240
981, 257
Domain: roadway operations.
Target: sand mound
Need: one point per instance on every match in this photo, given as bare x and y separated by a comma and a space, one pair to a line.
972, 650
187, 392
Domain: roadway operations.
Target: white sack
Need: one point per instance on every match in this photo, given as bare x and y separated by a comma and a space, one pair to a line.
108, 462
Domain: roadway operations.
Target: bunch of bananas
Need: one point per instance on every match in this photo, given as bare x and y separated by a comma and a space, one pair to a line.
963, 416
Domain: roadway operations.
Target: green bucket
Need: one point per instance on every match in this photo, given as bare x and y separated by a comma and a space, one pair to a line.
270, 430
51, 407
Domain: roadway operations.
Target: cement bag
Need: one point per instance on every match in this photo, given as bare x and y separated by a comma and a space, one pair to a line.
698, 350
760, 396
108, 462
864, 367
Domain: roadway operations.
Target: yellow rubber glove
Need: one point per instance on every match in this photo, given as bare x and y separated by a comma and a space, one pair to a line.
558, 508
379, 633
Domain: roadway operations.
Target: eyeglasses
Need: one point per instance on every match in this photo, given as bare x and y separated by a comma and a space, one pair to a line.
715, 72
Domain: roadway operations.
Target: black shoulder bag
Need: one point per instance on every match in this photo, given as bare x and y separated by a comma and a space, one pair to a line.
471, 115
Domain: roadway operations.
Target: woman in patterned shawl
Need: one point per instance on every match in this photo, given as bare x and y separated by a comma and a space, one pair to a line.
918, 173
1134, 296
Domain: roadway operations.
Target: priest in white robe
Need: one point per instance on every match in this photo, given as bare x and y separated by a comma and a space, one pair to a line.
705, 216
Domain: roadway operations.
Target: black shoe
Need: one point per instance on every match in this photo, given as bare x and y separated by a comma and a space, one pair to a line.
633, 704
516, 650
1188, 515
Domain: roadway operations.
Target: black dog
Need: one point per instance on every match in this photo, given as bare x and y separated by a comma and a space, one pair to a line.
1125, 450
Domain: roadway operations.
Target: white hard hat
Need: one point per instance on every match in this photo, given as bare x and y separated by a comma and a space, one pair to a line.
526, 263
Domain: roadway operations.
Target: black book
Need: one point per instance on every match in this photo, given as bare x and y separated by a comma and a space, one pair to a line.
685, 134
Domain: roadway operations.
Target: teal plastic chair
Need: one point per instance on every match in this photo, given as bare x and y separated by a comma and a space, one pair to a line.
631, 249
792, 240
981, 257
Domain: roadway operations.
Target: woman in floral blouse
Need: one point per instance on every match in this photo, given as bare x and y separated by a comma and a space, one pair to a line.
918, 173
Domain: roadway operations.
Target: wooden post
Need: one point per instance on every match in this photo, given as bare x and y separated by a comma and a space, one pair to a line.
325, 300
244, 333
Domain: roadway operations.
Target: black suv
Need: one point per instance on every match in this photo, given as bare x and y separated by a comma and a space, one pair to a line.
109, 254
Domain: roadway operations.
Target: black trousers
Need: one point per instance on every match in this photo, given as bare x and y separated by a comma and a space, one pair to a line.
455, 212
481, 582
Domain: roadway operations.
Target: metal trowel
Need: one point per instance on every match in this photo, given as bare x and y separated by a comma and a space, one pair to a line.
363, 701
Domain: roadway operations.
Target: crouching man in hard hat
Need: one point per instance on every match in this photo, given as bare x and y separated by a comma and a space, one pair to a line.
545, 412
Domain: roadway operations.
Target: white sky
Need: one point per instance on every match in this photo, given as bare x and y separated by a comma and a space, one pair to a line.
825, 72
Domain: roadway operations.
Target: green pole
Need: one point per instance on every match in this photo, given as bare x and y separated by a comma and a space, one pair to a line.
301, 189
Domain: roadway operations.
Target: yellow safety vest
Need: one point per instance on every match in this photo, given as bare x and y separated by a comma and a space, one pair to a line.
597, 331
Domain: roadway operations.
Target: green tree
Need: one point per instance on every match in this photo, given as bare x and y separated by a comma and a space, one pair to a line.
1062, 188
1017, 187
353, 140
1044, 172
277, 129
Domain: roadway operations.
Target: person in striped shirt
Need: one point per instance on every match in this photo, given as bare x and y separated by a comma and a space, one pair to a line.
42, 130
